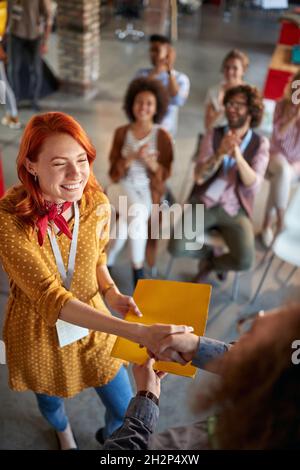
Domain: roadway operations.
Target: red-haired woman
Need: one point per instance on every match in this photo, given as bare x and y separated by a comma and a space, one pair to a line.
53, 234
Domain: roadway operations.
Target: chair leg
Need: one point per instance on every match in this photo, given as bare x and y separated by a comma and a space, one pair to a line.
154, 272
291, 274
264, 258
235, 286
262, 279
169, 268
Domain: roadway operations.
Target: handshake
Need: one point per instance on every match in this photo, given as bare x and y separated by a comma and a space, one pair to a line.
178, 347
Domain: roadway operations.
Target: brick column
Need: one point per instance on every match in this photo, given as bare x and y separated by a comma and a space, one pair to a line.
157, 17
78, 29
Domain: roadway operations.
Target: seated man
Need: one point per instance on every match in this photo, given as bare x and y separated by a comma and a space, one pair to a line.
230, 167
253, 405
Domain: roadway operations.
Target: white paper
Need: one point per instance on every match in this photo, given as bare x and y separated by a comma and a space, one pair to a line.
216, 189
68, 333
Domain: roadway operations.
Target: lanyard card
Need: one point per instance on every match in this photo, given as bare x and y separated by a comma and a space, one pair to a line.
67, 332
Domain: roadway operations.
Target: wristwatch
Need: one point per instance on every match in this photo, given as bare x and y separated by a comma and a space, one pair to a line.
147, 394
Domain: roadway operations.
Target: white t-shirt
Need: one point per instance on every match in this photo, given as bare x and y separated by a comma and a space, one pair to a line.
137, 172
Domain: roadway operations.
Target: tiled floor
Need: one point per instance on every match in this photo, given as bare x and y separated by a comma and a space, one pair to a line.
204, 40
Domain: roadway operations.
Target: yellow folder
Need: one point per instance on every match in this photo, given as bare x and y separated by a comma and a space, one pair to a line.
180, 303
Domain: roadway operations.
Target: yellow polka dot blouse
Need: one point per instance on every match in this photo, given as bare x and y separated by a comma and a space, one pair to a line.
35, 360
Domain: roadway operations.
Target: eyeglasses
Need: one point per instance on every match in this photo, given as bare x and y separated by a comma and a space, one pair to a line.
245, 324
238, 105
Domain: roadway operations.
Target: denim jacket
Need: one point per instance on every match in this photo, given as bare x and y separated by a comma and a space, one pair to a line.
142, 413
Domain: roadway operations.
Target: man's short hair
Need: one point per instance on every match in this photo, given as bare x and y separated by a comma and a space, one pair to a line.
254, 101
159, 38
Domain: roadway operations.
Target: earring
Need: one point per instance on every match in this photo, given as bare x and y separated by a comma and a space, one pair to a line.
35, 178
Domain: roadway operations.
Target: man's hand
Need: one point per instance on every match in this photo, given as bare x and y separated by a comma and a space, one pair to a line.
153, 336
229, 141
178, 348
121, 303
170, 58
146, 378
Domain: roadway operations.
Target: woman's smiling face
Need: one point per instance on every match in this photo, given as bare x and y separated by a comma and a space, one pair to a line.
62, 169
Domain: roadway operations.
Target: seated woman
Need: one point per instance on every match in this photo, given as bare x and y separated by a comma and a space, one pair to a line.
253, 405
53, 235
234, 67
284, 166
140, 162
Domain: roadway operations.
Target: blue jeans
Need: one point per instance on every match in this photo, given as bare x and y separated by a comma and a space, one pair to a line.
20, 50
115, 396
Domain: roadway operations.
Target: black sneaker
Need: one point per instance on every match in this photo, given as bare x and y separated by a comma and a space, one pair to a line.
138, 274
99, 436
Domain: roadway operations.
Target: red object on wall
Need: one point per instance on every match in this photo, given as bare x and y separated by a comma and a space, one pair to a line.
289, 34
2, 188
275, 83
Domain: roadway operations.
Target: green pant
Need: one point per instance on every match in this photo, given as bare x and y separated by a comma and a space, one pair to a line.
237, 232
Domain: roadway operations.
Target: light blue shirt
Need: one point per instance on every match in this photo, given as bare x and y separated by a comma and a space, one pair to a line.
170, 120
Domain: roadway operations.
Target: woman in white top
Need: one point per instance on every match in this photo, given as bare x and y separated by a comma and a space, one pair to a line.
234, 67
140, 162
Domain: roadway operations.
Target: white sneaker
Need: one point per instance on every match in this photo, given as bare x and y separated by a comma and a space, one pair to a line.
11, 122
267, 237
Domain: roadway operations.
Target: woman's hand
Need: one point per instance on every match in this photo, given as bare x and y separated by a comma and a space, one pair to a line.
146, 378
149, 158
121, 303
154, 335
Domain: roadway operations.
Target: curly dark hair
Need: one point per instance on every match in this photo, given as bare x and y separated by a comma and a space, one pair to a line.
155, 87
254, 101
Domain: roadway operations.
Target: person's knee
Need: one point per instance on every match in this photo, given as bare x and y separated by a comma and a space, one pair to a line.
283, 169
245, 260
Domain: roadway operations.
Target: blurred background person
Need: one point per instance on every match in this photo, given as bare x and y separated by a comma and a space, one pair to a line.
140, 162
29, 27
177, 84
229, 170
284, 166
253, 403
11, 118
234, 67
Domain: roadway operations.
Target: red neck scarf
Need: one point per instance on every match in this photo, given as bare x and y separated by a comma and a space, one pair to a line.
53, 213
